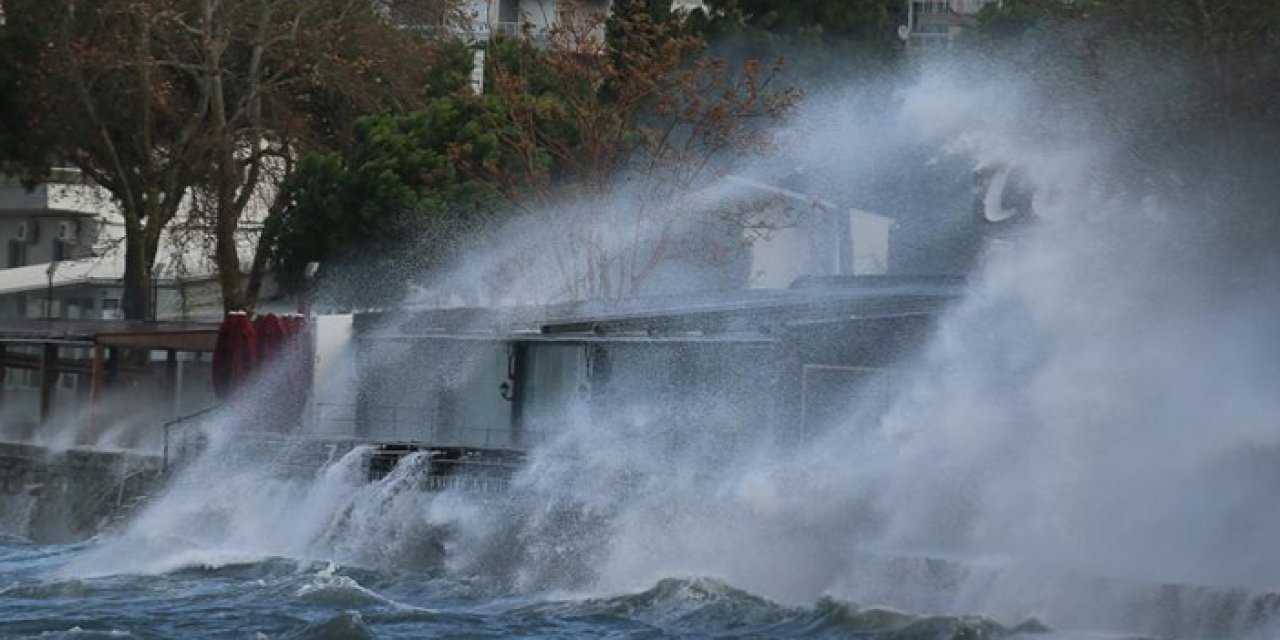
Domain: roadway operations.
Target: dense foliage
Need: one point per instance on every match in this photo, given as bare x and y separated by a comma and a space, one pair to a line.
1186, 88
16, 149
568, 122
374, 135
403, 178
821, 39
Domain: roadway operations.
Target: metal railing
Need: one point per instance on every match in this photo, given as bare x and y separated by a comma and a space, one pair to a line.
490, 454
409, 423
476, 33
185, 425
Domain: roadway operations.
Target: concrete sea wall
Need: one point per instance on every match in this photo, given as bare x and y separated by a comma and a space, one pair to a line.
68, 495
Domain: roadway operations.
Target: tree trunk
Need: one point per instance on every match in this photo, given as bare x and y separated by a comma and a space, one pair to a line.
139, 259
261, 254
227, 257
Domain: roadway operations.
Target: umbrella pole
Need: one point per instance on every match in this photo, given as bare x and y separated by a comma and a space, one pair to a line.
96, 371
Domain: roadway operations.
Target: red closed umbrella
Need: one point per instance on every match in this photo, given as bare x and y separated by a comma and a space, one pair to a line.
235, 354
300, 365
272, 335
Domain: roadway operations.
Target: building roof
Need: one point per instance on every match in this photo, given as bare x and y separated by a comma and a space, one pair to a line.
107, 270
745, 311
44, 212
183, 336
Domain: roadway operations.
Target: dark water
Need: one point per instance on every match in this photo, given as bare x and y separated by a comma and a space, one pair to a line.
291, 599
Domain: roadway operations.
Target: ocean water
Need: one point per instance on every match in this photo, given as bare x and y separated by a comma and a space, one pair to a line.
286, 598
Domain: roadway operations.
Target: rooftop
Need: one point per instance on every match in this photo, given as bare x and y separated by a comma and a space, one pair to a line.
747, 311
182, 336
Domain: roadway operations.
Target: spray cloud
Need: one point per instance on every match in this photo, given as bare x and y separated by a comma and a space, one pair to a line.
1100, 402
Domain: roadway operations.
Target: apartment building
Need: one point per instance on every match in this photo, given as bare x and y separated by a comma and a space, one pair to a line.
50, 262
489, 18
937, 24
62, 256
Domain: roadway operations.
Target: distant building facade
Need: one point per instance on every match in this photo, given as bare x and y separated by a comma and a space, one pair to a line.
938, 24
490, 18
62, 256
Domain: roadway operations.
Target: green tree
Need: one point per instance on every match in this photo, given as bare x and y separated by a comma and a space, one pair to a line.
11, 112
22, 147
395, 198
1226, 46
1185, 90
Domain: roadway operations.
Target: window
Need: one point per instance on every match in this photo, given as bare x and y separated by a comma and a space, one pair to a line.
17, 255
57, 250
110, 303
931, 8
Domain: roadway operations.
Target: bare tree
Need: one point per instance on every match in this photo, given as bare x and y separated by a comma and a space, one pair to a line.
615, 132
285, 77
111, 106
172, 103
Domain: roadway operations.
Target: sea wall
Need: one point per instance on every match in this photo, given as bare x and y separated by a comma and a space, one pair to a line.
68, 495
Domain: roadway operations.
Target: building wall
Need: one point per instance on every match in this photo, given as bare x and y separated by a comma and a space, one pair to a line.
77, 303
506, 17
69, 219
194, 301
62, 219
36, 237
437, 390
937, 24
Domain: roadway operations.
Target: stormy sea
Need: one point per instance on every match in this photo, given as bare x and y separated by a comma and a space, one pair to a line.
239, 552
284, 598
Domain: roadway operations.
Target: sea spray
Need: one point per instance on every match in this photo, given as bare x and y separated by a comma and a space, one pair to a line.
1096, 407
1087, 438
229, 509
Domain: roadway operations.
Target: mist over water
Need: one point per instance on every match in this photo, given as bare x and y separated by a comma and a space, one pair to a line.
1096, 416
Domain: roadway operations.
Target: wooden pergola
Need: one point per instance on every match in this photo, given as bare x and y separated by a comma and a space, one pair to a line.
104, 339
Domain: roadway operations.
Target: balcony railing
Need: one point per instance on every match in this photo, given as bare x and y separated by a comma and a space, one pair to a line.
410, 424
479, 32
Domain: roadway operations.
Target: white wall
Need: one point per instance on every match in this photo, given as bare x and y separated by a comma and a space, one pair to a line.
811, 249
869, 237
779, 259
334, 380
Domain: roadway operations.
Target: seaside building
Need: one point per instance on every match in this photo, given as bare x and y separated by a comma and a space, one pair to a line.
476, 387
